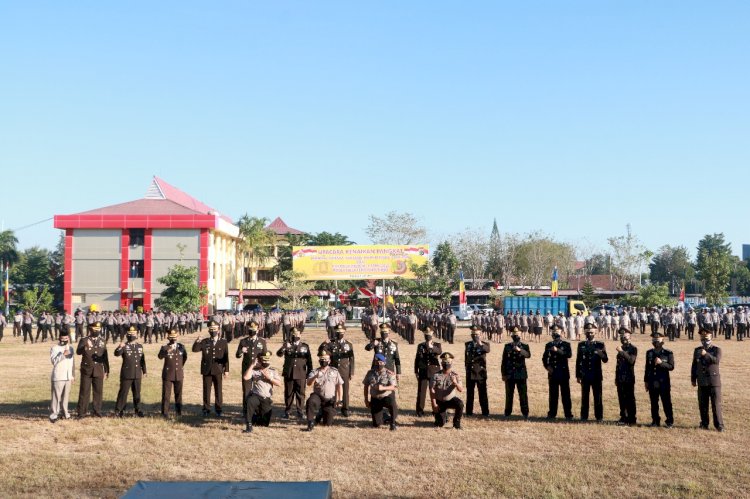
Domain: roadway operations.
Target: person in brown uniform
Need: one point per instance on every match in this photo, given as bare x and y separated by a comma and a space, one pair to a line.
172, 374
444, 388
297, 365
475, 360
131, 373
426, 364
705, 374
94, 368
342, 358
380, 387
327, 386
259, 402
214, 366
249, 349
514, 374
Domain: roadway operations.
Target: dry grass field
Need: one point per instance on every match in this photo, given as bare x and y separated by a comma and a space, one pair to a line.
490, 458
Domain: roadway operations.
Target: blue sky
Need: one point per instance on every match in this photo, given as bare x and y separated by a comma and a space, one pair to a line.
574, 118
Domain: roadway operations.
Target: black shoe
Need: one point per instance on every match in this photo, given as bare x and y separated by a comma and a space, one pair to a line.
310, 426
704, 427
720, 429
248, 428
139, 414
97, 414
53, 421
420, 414
569, 417
345, 413
653, 425
218, 414
300, 415
206, 413
668, 426
286, 415
393, 427
621, 423
119, 414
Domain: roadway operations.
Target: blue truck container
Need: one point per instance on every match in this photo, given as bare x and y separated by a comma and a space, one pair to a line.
544, 304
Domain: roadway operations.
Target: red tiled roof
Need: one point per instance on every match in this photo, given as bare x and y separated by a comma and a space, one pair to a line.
281, 228
264, 293
143, 207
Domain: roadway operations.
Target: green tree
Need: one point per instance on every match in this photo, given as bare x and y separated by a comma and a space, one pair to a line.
495, 253
396, 228
328, 239
628, 256
714, 266
651, 295
445, 261
598, 264
37, 300
295, 288
57, 271
739, 279
33, 270
8, 247
588, 295
671, 265
255, 244
182, 292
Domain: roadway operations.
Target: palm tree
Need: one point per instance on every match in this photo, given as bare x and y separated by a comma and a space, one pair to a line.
8, 247
255, 243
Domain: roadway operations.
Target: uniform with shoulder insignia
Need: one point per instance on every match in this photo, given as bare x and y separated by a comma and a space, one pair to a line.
589, 358
475, 360
426, 364
297, 365
131, 373
249, 349
627, 353
514, 374
705, 374
380, 385
342, 358
388, 348
659, 361
259, 403
326, 382
172, 374
214, 366
555, 361
445, 385
94, 368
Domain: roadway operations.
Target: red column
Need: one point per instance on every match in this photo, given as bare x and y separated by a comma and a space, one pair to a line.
147, 284
68, 278
203, 265
124, 267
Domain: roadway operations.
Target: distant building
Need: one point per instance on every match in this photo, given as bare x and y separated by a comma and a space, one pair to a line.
115, 255
746, 251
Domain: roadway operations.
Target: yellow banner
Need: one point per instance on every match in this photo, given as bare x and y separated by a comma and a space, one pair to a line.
358, 261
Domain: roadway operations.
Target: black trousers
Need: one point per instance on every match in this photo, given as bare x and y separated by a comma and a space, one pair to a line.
294, 393
561, 388
665, 394
258, 410
214, 380
166, 394
712, 394
316, 403
345, 393
587, 387
26, 329
482, 388
626, 398
441, 416
127, 385
510, 386
741, 331
690, 331
378, 405
84, 393
728, 331
423, 385
450, 331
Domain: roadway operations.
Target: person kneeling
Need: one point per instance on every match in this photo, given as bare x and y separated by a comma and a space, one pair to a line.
263, 378
444, 388
380, 387
327, 389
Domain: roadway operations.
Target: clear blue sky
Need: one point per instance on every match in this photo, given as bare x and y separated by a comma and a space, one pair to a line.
574, 118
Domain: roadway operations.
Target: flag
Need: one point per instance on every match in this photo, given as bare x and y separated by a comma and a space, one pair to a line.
7, 290
682, 293
461, 290
554, 282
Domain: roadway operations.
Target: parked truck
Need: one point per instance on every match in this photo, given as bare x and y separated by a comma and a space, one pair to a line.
544, 304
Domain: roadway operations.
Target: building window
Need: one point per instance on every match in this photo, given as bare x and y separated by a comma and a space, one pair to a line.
137, 237
136, 269
265, 275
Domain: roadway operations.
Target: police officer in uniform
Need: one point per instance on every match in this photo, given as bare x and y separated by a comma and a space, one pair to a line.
214, 366
445, 385
249, 349
94, 368
514, 374
627, 353
388, 348
297, 365
131, 373
659, 361
259, 403
380, 385
342, 358
475, 360
326, 382
426, 364
589, 358
555, 361
172, 374
705, 374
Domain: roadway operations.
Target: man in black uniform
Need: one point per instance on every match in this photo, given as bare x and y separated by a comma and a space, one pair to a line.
131, 373
214, 366
388, 348
249, 349
172, 374
589, 358
94, 368
426, 364
659, 361
705, 374
555, 361
625, 378
342, 358
297, 365
514, 374
475, 360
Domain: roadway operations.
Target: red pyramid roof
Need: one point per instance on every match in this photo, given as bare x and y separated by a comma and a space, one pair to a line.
281, 228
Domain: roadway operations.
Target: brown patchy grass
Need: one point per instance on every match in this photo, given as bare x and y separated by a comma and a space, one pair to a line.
491, 458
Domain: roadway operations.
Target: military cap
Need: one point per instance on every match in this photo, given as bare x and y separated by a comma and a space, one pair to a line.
428, 330
213, 323
172, 334
474, 328
515, 329
96, 325
340, 328
380, 357
265, 356
446, 356
705, 331
131, 329
589, 327
253, 326
657, 335
64, 333
323, 353
294, 330
384, 328
554, 327
623, 330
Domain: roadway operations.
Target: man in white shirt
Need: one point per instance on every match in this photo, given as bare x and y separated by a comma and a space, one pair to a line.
62, 357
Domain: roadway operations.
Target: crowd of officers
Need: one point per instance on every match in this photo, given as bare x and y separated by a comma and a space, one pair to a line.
330, 380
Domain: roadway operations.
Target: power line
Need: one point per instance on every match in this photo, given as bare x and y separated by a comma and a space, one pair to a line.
31, 225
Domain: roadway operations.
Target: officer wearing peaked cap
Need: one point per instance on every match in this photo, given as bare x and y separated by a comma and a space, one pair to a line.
627, 353
131, 373
174, 355
342, 358
659, 361
426, 364
297, 365
388, 348
259, 402
514, 374
591, 354
555, 361
445, 385
214, 366
94, 368
475, 360
704, 374
249, 349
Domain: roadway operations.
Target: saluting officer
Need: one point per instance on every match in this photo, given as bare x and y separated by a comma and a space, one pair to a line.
705, 374
627, 354
555, 361
172, 374
297, 365
326, 382
445, 385
214, 366
426, 364
94, 368
342, 358
249, 349
514, 374
659, 361
131, 373
388, 349
589, 358
475, 360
